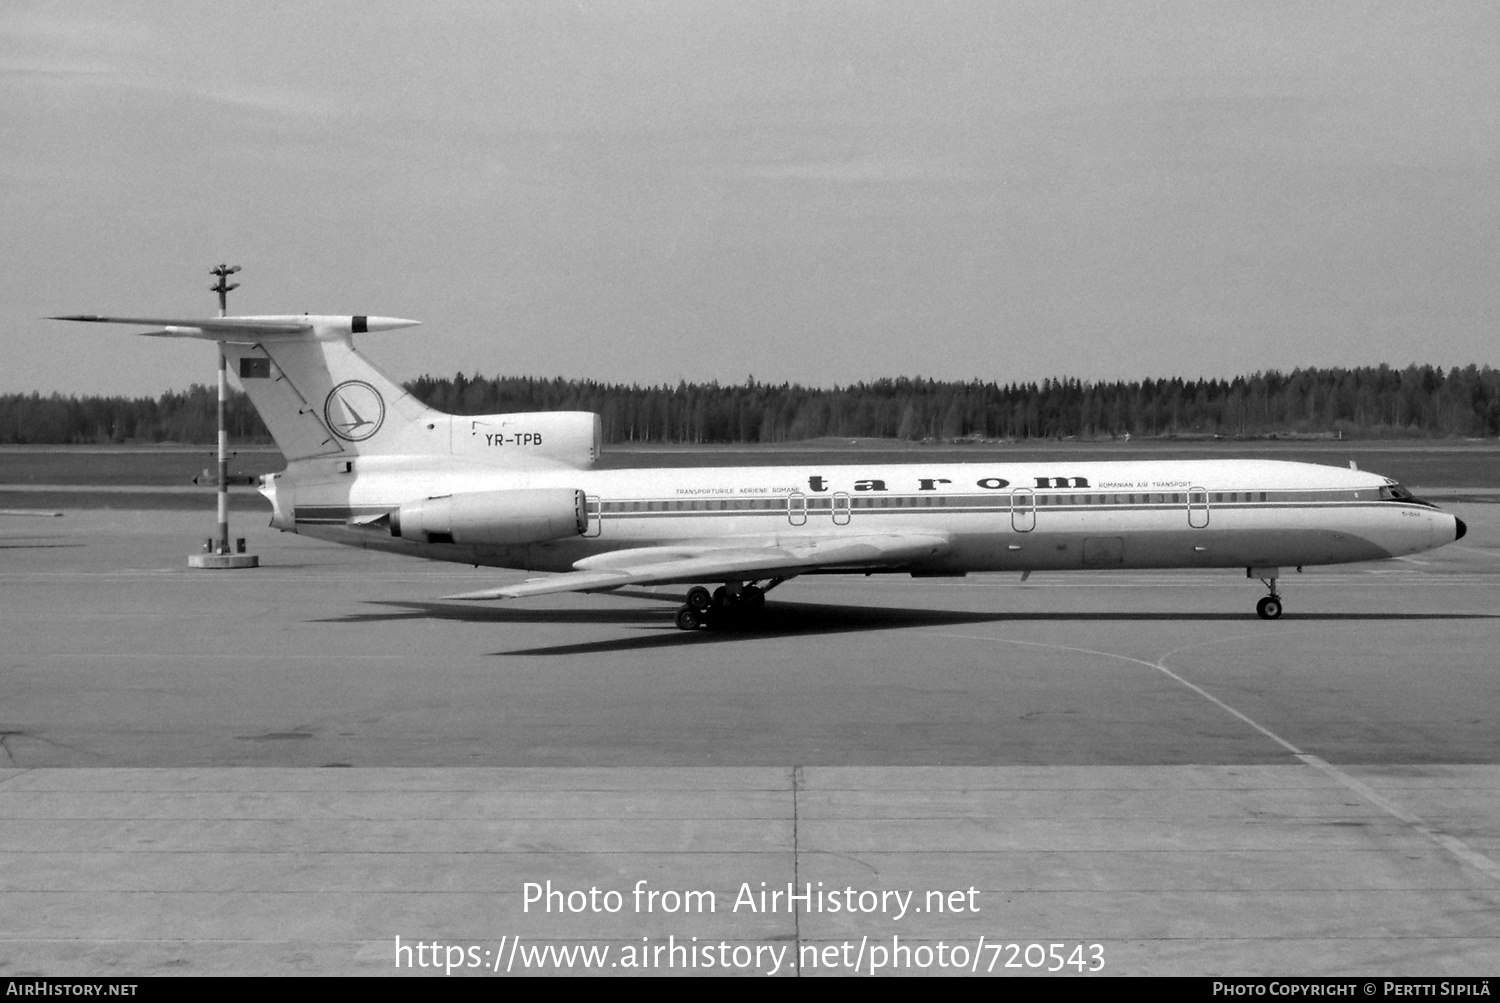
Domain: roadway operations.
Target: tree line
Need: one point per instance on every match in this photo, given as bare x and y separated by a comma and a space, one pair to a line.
1365, 402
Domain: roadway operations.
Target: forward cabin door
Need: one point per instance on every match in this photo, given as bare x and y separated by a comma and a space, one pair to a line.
1023, 510
1197, 508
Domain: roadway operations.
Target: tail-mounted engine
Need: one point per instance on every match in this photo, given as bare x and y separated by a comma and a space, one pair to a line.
518, 516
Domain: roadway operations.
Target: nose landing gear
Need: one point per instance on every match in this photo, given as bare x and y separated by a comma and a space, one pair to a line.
1269, 607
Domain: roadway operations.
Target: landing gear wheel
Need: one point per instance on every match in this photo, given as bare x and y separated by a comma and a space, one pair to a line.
699, 598
721, 597
688, 618
1269, 608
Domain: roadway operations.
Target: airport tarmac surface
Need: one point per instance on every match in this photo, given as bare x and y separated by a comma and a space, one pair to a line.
284, 769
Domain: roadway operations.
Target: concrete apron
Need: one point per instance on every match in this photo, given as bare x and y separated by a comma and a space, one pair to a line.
1122, 870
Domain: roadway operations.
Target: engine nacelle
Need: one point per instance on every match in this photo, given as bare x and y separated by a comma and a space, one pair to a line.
517, 516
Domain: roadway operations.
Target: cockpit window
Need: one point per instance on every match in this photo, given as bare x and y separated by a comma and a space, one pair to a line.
1395, 492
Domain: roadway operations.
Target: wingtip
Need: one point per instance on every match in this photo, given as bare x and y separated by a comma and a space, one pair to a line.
477, 596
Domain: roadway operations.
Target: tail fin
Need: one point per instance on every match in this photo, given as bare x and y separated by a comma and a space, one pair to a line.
320, 397
316, 394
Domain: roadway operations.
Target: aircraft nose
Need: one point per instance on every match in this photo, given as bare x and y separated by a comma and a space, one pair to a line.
1459, 529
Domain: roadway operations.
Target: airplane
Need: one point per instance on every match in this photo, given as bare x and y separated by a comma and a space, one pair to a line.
371, 466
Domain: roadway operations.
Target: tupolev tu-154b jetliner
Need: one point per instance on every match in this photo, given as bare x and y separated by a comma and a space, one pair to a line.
371, 466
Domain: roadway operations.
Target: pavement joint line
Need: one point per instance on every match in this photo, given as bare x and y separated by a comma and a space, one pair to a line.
502, 892
1450, 844
459, 853
796, 861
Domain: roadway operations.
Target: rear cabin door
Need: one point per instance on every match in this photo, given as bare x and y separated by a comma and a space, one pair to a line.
796, 509
594, 515
840, 508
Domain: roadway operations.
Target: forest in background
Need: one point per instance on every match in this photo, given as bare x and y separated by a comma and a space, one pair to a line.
1367, 402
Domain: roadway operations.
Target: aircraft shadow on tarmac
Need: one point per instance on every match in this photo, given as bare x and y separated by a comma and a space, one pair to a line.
781, 619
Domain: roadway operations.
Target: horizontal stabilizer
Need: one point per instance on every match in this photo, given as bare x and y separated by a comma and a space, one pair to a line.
234, 328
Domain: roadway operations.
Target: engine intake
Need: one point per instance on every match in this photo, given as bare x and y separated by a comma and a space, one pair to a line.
515, 516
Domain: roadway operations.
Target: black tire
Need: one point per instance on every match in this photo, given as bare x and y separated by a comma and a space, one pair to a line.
688, 618
1269, 608
699, 598
721, 597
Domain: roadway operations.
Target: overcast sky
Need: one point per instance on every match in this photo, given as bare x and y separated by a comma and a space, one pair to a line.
812, 192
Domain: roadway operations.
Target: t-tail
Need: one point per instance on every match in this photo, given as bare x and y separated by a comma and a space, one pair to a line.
320, 398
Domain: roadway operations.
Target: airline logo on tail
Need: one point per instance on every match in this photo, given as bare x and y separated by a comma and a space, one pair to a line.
354, 410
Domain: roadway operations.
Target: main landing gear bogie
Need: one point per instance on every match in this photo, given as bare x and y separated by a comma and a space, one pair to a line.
727, 604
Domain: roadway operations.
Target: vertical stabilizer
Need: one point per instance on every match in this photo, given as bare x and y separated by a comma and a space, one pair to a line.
316, 394
320, 397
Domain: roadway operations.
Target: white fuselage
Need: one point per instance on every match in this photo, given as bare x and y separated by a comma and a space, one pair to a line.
370, 465
998, 516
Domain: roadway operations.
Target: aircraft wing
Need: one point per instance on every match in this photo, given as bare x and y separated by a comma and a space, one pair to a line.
723, 562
